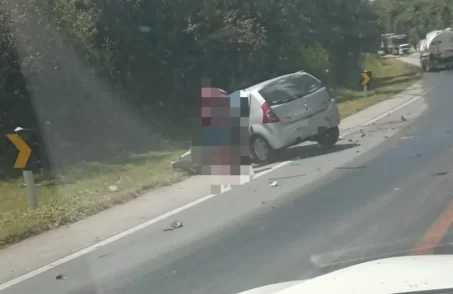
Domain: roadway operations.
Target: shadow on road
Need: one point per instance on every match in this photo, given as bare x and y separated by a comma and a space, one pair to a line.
307, 151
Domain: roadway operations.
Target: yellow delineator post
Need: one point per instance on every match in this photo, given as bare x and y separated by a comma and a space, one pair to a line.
24, 151
365, 81
21, 162
365, 78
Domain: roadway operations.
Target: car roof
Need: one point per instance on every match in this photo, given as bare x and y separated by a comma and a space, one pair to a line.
263, 84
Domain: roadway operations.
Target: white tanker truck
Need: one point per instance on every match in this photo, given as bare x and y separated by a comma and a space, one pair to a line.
436, 51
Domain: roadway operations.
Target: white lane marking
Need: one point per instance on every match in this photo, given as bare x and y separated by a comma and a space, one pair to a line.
265, 172
102, 243
148, 223
393, 110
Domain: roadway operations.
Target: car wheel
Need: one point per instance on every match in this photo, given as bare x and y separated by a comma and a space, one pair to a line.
261, 150
329, 137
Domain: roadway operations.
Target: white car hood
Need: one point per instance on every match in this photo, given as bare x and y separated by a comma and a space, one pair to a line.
390, 275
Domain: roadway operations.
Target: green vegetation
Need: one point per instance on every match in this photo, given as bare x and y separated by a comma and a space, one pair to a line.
414, 17
390, 77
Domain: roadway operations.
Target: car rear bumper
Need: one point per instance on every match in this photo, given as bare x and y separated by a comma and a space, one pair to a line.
281, 135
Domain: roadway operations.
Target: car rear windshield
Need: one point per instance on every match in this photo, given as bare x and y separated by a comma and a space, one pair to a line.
290, 88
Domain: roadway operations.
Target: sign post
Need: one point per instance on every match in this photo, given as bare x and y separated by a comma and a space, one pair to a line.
366, 78
31, 188
22, 162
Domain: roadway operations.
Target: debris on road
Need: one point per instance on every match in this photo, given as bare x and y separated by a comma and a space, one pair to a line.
60, 277
350, 140
288, 177
441, 173
386, 137
184, 162
403, 118
273, 184
174, 225
363, 133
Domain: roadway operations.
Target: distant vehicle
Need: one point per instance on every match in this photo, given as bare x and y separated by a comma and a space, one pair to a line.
436, 52
288, 110
386, 42
420, 44
384, 38
391, 42
404, 49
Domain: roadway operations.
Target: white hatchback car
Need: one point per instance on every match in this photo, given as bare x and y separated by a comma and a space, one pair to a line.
288, 110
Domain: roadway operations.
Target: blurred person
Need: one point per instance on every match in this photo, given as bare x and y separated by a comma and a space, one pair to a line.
220, 145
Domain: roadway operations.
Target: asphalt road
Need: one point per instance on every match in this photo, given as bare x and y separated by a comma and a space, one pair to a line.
386, 202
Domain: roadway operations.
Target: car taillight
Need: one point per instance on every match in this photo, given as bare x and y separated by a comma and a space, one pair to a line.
268, 115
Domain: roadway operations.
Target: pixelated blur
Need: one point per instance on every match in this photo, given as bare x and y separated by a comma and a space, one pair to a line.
221, 146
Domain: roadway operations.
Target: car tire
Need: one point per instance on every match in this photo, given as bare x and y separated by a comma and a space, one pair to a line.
261, 150
329, 137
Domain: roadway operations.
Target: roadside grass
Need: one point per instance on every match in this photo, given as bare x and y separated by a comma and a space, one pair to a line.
390, 77
83, 190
